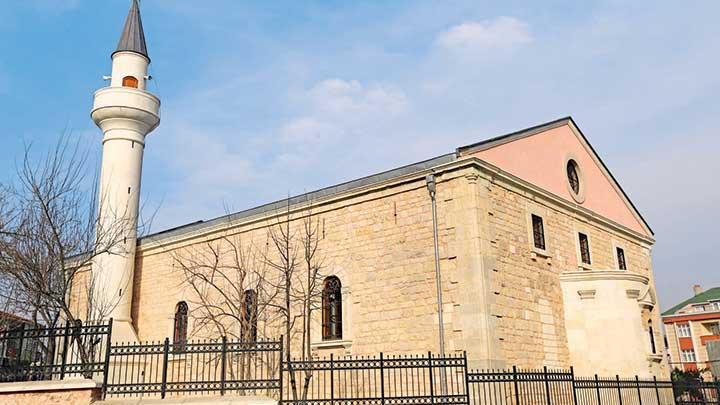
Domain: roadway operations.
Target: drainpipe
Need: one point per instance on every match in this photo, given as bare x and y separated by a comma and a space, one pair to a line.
431, 186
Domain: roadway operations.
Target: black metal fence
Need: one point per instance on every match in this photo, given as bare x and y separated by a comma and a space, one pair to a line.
519, 387
195, 367
73, 350
257, 368
427, 379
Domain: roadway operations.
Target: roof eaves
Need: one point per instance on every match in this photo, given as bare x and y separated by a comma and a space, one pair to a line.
299, 199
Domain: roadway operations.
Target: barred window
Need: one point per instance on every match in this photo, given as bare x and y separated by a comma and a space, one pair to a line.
584, 248
573, 177
621, 259
249, 316
538, 232
180, 327
332, 309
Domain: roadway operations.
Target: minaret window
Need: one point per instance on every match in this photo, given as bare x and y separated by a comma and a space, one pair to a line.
130, 81
332, 309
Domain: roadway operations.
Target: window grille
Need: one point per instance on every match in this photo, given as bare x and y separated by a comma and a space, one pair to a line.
573, 177
332, 309
180, 327
621, 259
584, 248
538, 232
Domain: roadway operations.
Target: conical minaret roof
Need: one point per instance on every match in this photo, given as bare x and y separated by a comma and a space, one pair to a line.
133, 36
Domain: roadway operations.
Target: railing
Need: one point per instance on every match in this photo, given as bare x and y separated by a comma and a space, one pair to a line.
257, 368
377, 380
54, 353
624, 391
195, 367
517, 387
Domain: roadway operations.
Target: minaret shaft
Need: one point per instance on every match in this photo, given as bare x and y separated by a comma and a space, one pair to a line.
126, 113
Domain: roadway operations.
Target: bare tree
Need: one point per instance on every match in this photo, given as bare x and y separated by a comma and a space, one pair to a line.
296, 260
50, 235
283, 271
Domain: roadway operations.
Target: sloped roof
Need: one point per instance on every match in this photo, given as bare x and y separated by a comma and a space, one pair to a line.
372, 179
132, 38
705, 296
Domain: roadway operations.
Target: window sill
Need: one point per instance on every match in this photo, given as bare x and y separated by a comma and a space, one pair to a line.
584, 267
655, 358
329, 344
536, 253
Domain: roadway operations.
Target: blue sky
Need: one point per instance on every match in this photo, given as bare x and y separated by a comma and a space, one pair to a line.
266, 99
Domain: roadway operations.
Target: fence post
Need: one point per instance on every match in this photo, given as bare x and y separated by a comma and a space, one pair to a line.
467, 379
517, 386
280, 367
166, 350
18, 366
332, 380
597, 389
382, 380
223, 357
432, 384
637, 385
617, 378
657, 392
572, 379
63, 361
106, 367
547, 385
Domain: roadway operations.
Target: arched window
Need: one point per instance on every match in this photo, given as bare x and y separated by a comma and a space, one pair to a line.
130, 81
332, 309
249, 316
180, 328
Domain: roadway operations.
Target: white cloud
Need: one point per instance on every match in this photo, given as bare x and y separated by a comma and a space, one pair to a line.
338, 108
498, 33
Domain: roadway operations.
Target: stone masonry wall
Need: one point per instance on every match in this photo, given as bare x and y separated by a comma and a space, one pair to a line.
528, 307
380, 245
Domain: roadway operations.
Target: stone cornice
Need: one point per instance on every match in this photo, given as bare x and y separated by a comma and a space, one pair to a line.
614, 275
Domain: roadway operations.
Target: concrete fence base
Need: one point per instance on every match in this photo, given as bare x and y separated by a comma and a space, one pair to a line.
64, 392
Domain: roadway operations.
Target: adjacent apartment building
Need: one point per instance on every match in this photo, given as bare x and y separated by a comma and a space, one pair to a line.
689, 327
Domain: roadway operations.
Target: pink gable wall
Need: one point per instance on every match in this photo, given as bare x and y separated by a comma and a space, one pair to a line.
540, 159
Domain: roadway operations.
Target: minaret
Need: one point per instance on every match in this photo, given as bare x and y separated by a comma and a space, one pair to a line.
126, 113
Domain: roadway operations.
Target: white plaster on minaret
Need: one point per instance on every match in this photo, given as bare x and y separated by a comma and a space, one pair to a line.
126, 113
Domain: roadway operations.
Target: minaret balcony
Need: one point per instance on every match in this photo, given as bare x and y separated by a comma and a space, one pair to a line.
126, 108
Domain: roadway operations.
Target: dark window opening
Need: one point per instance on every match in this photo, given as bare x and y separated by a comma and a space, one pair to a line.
538, 232
180, 327
652, 339
332, 309
249, 316
573, 177
621, 259
584, 248
129, 81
